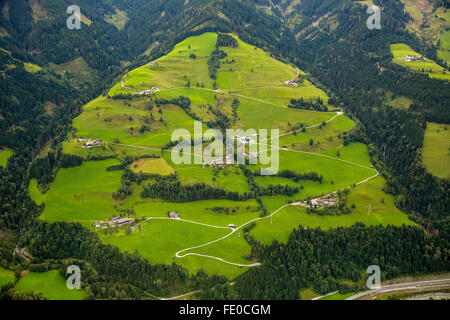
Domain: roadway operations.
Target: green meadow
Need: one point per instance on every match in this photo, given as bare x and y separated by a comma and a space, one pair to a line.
159, 240
436, 149
252, 76
427, 66
152, 166
382, 211
51, 284
5, 154
6, 276
82, 194
231, 179
238, 212
252, 67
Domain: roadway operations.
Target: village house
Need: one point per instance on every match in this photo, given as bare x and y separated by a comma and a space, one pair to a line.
293, 82
174, 215
90, 143
150, 91
412, 58
316, 203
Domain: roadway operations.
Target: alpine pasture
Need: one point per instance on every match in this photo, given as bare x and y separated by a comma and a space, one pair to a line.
251, 90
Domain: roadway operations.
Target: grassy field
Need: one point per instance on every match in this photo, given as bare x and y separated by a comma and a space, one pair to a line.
6, 276
231, 179
383, 211
5, 154
82, 194
400, 50
51, 284
32, 67
152, 166
115, 120
444, 46
436, 149
202, 211
174, 69
256, 79
159, 240
260, 70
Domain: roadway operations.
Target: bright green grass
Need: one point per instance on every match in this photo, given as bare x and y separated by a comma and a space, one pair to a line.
337, 174
5, 154
355, 152
35, 193
51, 284
327, 135
231, 249
231, 179
82, 193
152, 165
161, 239
32, 67
201, 211
266, 70
427, 66
281, 95
174, 69
71, 146
444, 46
6, 276
338, 296
91, 123
258, 115
370, 192
436, 149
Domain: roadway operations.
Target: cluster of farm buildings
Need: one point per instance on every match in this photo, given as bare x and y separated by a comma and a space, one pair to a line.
150, 91
88, 143
115, 222
412, 58
318, 203
293, 82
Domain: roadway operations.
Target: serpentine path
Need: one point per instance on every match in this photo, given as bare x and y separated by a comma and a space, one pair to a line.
180, 254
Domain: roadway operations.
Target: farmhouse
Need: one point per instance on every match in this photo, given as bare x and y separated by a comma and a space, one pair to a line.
150, 91
154, 64
293, 82
124, 221
90, 143
174, 215
316, 203
232, 226
412, 58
